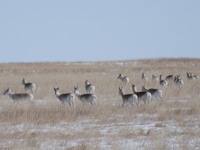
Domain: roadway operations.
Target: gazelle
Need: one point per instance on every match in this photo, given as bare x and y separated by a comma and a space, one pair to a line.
128, 98
163, 82
178, 81
85, 98
144, 96
89, 87
17, 97
124, 79
191, 76
155, 78
65, 98
155, 93
28, 86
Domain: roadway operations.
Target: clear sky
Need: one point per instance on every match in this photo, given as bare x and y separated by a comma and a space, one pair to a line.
93, 30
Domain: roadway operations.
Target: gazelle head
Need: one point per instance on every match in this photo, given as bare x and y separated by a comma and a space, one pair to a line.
76, 91
7, 92
161, 77
87, 82
143, 75
56, 90
178, 76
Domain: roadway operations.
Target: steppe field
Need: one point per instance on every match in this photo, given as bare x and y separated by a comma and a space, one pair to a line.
164, 124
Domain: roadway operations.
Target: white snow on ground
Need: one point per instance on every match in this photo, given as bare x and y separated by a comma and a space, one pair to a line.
178, 101
120, 63
135, 63
140, 132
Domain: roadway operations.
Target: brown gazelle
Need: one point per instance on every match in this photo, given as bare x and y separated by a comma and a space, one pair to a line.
144, 96
178, 81
128, 98
85, 98
191, 76
89, 87
28, 86
124, 79
65, 98
155, 93
17, 97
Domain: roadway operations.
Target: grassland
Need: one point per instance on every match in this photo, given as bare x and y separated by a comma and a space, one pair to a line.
172, 123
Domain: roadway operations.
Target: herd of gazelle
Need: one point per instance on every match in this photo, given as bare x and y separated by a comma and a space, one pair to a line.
146, 94
89, 98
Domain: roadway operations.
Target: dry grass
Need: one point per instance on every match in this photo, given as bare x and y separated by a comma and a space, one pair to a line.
47, 109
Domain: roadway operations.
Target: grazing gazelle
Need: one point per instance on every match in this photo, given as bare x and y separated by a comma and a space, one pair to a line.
65, 98
89, 87
155, 93
144, 96
178, 81
128, 98
163, 82
170, 77
124, 79
17, 97
85, 98
28, 86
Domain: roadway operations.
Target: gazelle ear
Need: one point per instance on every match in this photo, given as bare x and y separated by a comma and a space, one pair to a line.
6, 91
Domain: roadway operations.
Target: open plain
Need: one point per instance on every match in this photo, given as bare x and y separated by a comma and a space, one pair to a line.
169, 123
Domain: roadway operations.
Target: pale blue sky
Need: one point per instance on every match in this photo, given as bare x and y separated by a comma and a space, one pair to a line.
93, 30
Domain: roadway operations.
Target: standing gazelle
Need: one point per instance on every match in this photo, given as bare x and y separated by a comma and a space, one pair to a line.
65, 98
155, 93
124, 79
128, 98
28, 86
17, 97
144, 96
178, 81
85, 98
89, 87
191, 76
